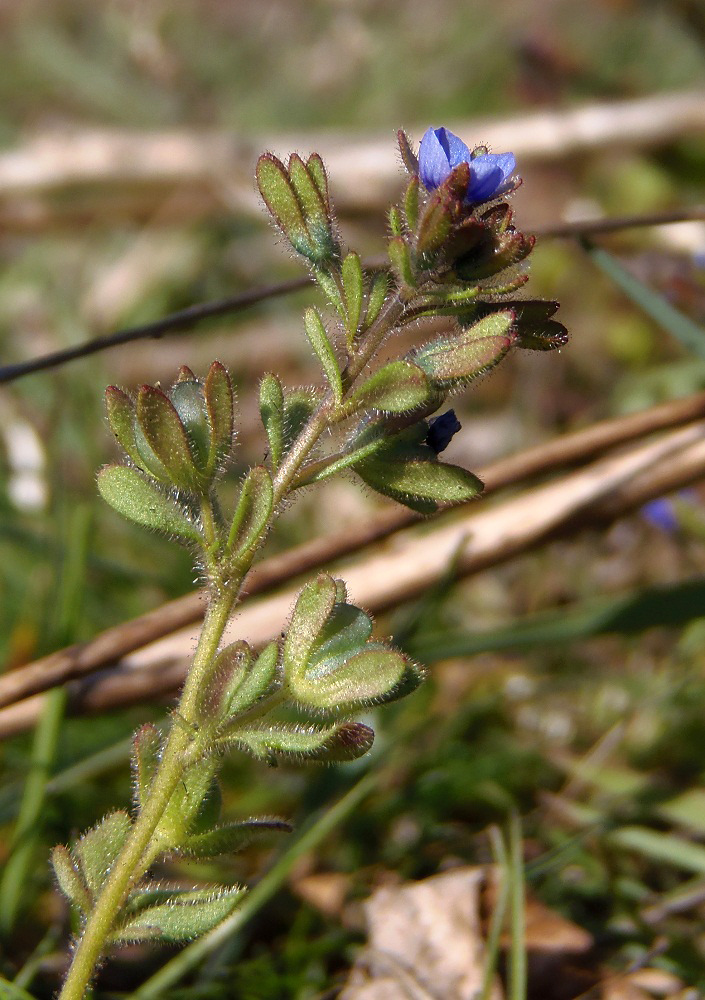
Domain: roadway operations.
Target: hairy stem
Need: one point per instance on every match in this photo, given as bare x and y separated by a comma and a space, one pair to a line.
130, 866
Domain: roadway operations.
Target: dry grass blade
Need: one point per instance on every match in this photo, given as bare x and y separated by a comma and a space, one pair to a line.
472, 539
200, 170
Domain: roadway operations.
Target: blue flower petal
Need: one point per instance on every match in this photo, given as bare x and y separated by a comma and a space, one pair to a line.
488, 174
434, 164
455, 148
439, 152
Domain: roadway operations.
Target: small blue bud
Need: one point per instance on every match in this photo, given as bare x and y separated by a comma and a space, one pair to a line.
441, 151
441, 430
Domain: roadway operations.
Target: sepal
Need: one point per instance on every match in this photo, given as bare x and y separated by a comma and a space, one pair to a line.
406, 469
320, 342
376, 298
400, 259
70, 879
121, 417
239, 681
354, 289
96, 852
147, 748
166, 436
408, 156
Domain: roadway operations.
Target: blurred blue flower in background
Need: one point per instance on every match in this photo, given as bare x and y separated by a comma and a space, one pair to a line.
440, 151
664, 512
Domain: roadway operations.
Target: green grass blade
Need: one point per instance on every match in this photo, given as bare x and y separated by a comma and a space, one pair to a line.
690, 334
27, 833
671, 606
661, 847
517, 954
499, 852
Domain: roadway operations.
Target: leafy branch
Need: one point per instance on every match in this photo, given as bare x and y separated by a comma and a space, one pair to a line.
453, 251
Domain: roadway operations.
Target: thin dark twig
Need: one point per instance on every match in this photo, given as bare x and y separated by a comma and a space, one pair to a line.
185, 319
587, 227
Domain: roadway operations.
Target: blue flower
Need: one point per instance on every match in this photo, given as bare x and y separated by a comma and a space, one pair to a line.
441, 151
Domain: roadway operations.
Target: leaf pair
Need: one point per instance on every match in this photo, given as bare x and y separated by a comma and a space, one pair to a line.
405, 468
297, 198
329, 661
168, 913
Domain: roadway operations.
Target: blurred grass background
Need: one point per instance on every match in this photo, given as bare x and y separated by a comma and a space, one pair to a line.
490, 733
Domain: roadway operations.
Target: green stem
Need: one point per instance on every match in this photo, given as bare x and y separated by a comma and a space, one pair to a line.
270, 883
130, 865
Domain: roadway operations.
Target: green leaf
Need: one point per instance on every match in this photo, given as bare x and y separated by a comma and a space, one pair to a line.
165, 434
240, 680
397, 388
376, 298
348, 682
320, 342
354, 287
252, 513
233, 837
453, 361
185, 804
97, 850
400, 259
686, 810
271, 408
218, 392
121, 417
318, 174
330, 744
690, 334
330, 289
147, 747
311, 612
70, 879
187, 914
408, 471
280, 198
137, 498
